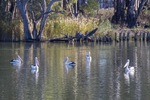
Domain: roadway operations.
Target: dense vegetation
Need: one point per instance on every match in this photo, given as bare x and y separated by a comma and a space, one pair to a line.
44, 19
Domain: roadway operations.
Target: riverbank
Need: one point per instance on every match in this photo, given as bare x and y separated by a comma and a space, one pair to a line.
108, 36
57, 27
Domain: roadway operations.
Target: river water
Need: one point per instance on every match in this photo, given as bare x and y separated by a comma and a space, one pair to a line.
102, 79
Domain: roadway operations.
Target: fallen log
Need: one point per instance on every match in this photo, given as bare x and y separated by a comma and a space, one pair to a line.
58, 40
81, 37
78, 37
91, 33
66, 38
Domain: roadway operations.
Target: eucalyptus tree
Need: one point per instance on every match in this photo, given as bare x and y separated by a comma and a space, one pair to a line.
37, 17
127, 11
133, 11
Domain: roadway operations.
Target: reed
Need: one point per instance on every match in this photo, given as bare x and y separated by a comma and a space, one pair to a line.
11, 31
69, 26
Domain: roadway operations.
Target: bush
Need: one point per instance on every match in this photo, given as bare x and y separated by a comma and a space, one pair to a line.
11, 31
69, 26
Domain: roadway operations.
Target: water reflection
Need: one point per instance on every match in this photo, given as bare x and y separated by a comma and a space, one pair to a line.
127, 79
68, 67
101, 78
17, 67
36, 75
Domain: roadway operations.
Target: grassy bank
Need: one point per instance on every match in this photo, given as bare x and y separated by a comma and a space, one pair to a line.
60, 26
69, 26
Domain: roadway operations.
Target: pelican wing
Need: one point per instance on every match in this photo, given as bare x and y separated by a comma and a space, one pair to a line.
71, 63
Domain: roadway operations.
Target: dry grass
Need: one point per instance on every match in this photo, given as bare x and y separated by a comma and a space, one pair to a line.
11, 31
69, 26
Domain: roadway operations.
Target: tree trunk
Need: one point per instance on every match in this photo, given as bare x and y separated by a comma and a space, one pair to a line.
75, 9
26, 28
43, 21
44, 18
140, 8
119, 14
34, 32
22, 5
65, 4
12, 9
132, 13
45, 10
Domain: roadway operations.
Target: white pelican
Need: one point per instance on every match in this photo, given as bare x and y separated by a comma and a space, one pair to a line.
69, 63
88, 57
127, 68
17, 61
34, 67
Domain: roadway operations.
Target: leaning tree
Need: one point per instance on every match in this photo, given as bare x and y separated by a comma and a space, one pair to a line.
30, 15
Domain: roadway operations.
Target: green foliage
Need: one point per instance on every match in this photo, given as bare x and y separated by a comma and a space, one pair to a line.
72, 1
104, 17
105, 14
144, 18
57, 6
91, 7
104, 27
11, 30
68, 26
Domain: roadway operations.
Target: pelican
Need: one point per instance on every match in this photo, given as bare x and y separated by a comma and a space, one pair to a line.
34, 67
88, 57
16, 61
69, 63
127, 68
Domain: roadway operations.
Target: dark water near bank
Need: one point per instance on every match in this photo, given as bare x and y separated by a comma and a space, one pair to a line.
103, 79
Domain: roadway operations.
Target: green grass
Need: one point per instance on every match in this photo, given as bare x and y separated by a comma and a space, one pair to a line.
10, 31
69, 26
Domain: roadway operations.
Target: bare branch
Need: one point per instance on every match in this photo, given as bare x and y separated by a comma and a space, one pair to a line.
50, 5
40, 7
43, 5
32, 15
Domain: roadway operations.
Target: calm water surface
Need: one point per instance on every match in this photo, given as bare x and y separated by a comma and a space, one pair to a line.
102, 79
